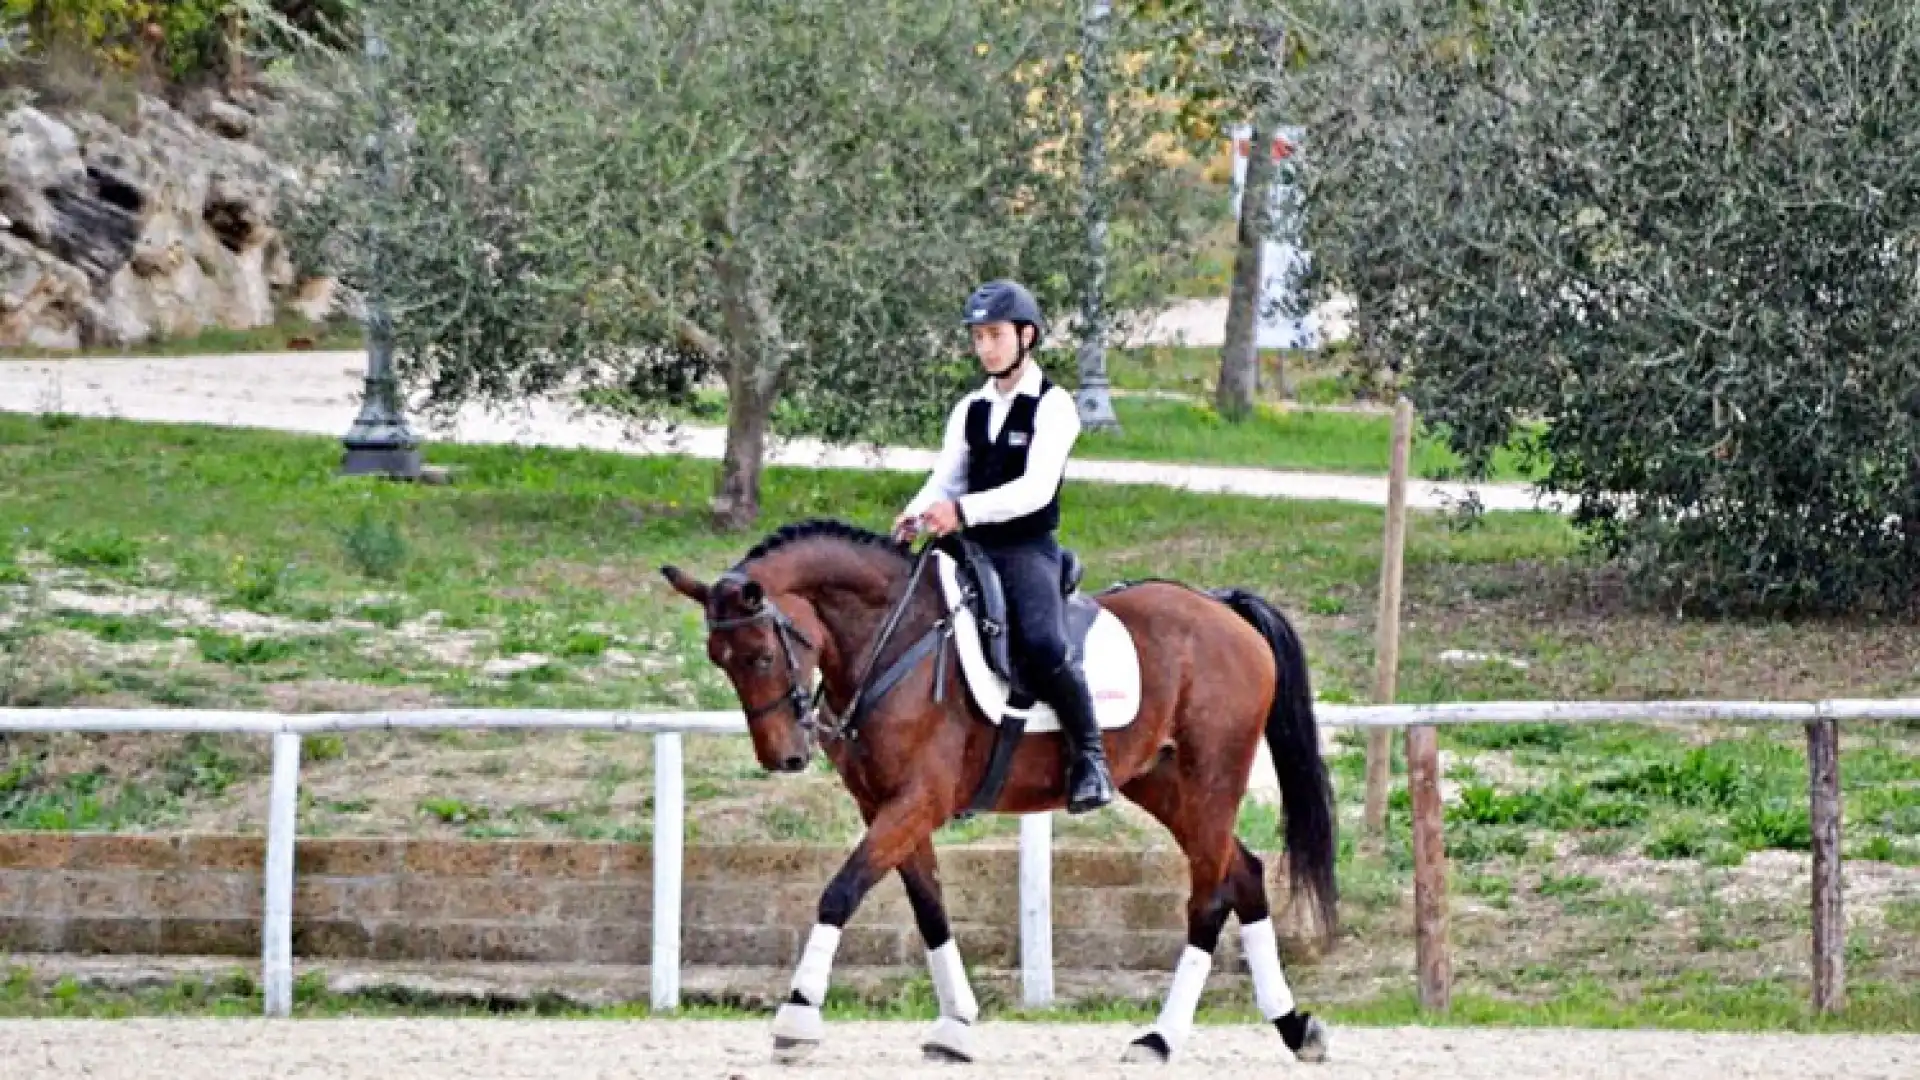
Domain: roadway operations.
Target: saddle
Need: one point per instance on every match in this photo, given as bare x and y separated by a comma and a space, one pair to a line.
987, 600
1097, 641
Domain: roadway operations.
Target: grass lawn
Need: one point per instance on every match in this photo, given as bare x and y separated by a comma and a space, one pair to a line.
195, 566
1316, 377
1273, 437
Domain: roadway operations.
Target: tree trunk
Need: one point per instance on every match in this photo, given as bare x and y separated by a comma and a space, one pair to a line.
736, 503
1240, 354
756, 349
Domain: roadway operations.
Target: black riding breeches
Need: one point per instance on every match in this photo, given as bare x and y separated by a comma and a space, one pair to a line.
1030, 578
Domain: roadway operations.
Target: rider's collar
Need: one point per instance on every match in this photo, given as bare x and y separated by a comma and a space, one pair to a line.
1029, 381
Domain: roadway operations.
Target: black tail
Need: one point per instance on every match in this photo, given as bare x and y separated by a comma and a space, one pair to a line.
1306, 795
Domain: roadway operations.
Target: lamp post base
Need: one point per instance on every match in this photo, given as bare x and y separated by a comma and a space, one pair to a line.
373, 459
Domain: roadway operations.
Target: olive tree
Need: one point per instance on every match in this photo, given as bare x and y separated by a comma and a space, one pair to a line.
1678, 240
1227, 61
792, 196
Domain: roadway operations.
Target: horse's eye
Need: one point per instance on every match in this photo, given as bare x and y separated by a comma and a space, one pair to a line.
764, 664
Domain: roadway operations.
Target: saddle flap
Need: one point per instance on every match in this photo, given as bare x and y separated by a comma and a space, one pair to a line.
989, 603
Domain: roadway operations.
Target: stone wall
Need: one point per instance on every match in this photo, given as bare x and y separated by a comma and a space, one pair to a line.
565, 902
114, 236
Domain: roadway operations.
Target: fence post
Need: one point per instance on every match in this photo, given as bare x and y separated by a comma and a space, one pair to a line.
1386, 649
1429, 869
1829, 920
669, 831
276, 928
1036, 910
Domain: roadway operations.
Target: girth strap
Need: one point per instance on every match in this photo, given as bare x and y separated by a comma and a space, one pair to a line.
1012, 727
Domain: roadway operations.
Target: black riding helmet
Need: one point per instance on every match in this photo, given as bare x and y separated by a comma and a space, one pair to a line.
1007, 301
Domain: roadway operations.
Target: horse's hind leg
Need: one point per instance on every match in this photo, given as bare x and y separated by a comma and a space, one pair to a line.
951, 1038
1205, 835
1246, 883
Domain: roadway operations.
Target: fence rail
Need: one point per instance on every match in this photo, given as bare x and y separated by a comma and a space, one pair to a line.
668, 729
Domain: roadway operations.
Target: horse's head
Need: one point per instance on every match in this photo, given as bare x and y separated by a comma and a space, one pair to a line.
769, 657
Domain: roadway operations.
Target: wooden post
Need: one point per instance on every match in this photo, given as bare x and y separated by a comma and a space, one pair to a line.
1386, 649
1429, 870
1829, 922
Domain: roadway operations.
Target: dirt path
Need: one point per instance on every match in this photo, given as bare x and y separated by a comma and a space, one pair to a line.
318, 393
587, 1050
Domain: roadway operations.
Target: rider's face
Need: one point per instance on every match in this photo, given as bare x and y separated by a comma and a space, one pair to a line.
996, 344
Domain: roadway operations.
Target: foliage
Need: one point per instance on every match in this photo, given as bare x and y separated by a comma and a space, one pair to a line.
179, 36
795, 196
1220, 61
176, 38
1682, 231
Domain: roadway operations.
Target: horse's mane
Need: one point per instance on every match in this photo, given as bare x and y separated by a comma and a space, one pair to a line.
823, 528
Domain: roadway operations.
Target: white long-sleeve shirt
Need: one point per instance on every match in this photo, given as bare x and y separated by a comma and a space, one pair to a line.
1056, 427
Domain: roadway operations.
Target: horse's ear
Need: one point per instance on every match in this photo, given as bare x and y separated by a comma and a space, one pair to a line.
685, 585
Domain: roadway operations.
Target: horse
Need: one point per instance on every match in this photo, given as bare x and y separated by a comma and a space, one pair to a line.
804, 626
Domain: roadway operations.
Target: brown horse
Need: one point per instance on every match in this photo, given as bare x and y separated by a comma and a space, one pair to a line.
1216, 670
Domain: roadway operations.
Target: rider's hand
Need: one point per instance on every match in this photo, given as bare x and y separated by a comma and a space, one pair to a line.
905, 526
942, 518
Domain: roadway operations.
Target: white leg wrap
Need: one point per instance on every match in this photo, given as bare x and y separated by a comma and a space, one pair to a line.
816, 963
950, 983
1176, 1014
1270, 990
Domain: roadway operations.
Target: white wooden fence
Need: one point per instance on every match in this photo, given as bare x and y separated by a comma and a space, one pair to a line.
668, 729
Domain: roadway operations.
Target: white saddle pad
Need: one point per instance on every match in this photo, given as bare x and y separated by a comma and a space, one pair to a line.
1108, 658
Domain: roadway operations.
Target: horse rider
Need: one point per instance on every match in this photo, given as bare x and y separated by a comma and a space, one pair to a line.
998, 476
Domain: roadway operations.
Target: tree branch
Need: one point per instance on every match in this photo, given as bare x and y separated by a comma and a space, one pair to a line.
690, 334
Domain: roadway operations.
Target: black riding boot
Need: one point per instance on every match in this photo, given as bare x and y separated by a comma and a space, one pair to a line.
1089, 786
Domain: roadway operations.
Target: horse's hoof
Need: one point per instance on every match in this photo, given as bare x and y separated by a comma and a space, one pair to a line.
791, 1051
949, 1042
1148, 1049
1314, 1046
797, 1032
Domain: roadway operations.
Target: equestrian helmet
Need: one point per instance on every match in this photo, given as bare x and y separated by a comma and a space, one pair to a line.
1006, 301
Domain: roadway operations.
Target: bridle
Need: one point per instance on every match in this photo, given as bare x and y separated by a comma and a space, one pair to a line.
816, 719
797, 695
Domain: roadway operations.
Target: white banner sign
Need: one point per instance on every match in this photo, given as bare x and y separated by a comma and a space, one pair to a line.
1282, 262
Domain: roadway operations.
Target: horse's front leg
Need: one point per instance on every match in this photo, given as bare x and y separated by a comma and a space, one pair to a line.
901, 826
951, 1038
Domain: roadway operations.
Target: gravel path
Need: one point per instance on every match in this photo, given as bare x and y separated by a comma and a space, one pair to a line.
589, 1050
318, 393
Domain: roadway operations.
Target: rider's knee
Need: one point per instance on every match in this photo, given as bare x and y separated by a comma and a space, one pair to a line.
1043, 656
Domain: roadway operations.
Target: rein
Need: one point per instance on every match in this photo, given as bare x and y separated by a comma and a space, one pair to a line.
809, 708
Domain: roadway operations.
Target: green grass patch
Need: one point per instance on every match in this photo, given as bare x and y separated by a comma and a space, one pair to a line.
1320, 377
1273, 437
95, 800
1626, 786
563, 538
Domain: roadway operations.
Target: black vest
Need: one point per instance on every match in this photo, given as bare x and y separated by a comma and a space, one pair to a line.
993, 462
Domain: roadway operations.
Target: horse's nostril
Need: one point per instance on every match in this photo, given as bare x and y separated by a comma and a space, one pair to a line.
794, 763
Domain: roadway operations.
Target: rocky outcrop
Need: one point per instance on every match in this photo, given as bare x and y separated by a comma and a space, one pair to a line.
115, 237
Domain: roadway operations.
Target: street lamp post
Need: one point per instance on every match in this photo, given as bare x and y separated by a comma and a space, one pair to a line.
380, 443
1096, 404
